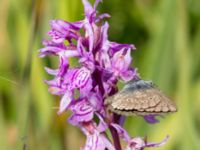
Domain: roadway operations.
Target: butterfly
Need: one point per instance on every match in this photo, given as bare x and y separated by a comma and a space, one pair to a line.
139, 97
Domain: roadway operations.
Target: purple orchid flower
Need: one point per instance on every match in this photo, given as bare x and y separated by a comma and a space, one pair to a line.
83, 89
136, 143
96, 140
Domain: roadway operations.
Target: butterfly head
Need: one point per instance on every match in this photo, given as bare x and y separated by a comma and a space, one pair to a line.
138, 84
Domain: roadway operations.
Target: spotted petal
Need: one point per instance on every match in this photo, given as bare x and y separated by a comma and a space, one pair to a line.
98, 141
82, 112
81, 77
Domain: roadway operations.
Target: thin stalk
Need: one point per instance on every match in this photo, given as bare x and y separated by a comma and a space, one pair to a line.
115, 137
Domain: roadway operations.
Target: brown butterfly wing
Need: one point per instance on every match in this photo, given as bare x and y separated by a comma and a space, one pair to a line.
141, 102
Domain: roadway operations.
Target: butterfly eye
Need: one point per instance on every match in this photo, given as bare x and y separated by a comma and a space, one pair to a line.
139, 86
150, 82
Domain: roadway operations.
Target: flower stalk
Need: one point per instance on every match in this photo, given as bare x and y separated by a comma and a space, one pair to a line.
115, 137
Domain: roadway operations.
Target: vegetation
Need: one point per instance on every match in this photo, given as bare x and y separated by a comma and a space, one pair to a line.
167, 36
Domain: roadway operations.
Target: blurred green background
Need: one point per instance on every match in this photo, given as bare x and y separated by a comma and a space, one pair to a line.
167, 36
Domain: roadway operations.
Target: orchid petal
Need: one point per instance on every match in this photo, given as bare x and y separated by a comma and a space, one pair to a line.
151, 119
122, 133
157, 144
50, 50
95, 99
96, 3
69, 53
115, 47
98, 142
51, 71
82, 111
56, 90
135, 144
88, 9
121, 60
102, 126
81, 77
128, 75
54, 82
65, 101
89, 35
101, 17
84, 90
